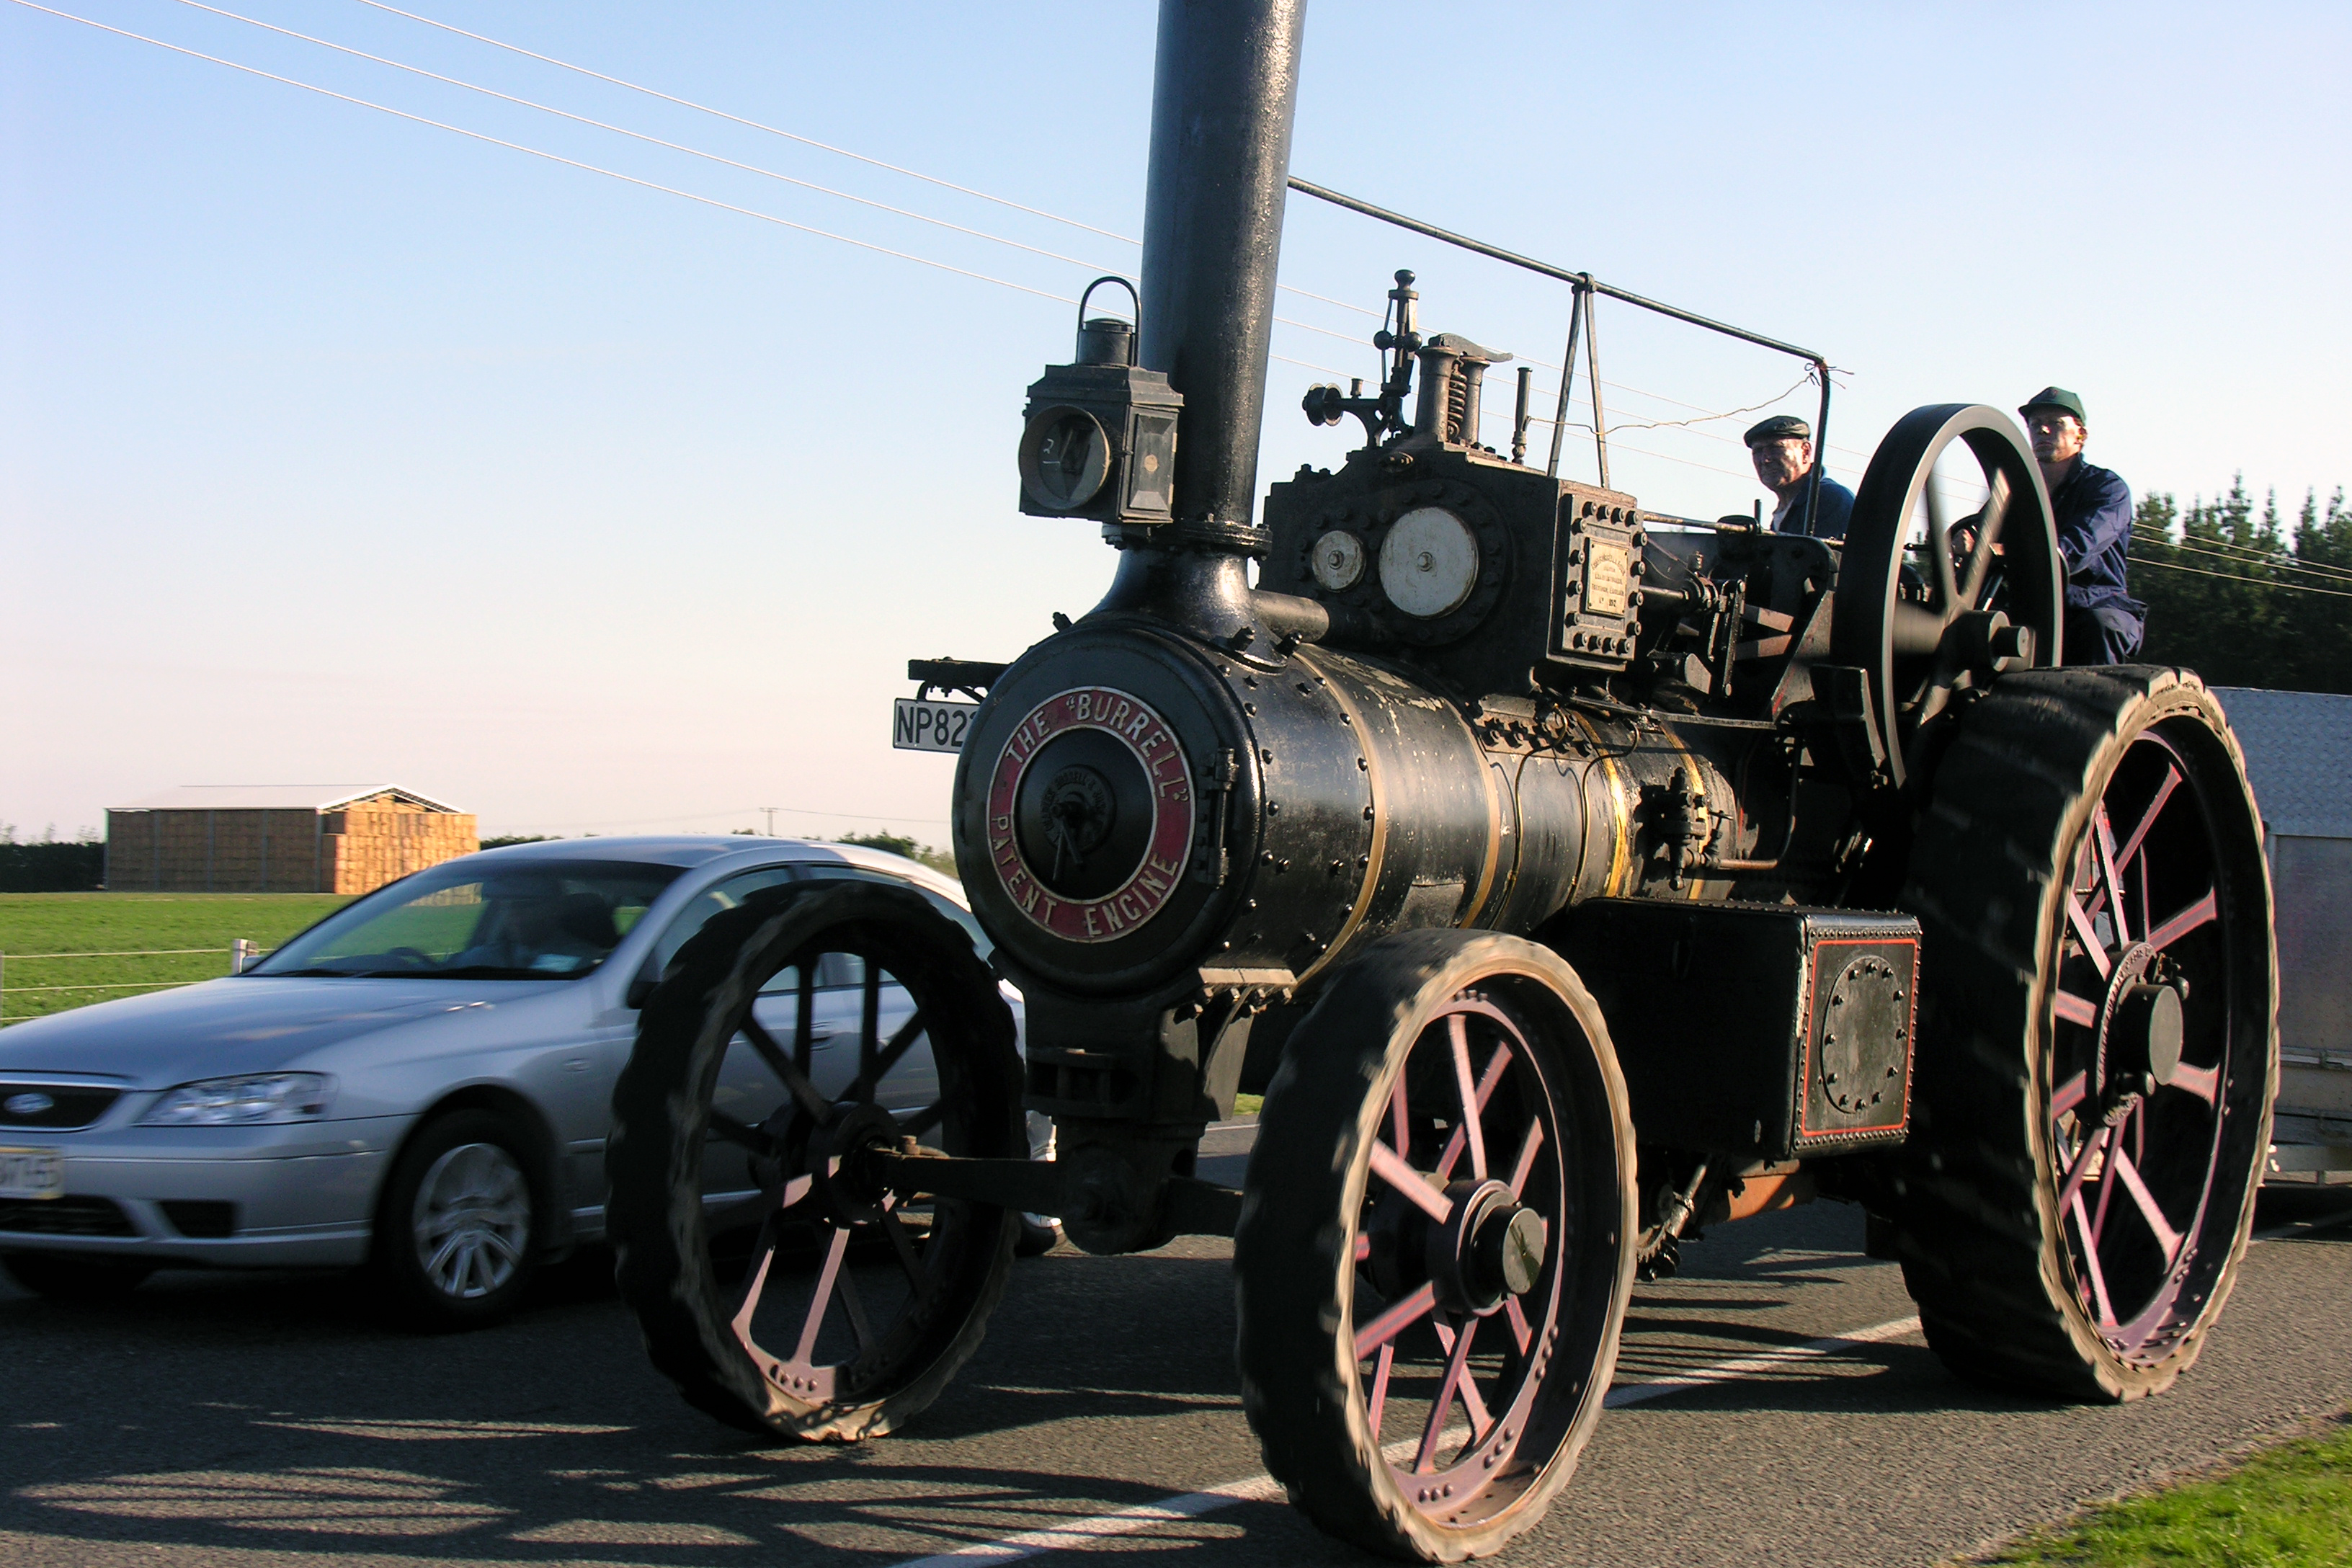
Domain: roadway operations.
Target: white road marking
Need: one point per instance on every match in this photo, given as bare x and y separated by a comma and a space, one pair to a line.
1264, 1488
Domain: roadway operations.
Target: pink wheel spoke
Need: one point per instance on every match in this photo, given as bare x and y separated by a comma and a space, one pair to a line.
1381, 1389
787, 1072
1472, 1400
2187, 921
2202, 1083
1472, 1100
2107, 1186
748, 1301
2073, 1182
1389, 1167
1394, 1321
1486, 1082
1526, 1162
822, 1300
1456, 1366
859, 1323
904, 1245
2150, 1210
2090, 1264
2080, 919
2078, 1010
1399, 1119
2147, 818
1523, 1335
2105, 840
2070, 1095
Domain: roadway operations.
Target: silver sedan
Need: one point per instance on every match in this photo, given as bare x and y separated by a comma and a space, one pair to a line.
421, 1082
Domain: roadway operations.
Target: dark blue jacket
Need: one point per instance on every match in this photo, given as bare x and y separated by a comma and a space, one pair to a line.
1834, 506
2094, 512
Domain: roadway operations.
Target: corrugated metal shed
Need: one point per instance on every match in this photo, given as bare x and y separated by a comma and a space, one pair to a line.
2298, 749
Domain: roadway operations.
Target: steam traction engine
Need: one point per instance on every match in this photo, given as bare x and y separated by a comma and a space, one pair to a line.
1577, 878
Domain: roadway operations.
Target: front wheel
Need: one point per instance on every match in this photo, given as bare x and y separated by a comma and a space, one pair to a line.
1437, 1245
456, 1232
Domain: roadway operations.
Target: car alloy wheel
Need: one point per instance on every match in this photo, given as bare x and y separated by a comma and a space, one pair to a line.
471, 1222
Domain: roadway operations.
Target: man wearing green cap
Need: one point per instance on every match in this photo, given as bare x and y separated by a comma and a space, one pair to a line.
1781, 447
2092, 507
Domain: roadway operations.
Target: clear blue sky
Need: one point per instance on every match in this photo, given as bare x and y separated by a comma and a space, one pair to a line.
334, 447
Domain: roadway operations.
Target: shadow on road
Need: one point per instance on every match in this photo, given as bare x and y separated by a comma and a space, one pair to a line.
207, 1416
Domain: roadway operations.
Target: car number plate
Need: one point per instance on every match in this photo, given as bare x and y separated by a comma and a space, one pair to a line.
32, 1173
930, 726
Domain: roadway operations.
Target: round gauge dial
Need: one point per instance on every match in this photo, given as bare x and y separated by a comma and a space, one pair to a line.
1339, 560
1429, 562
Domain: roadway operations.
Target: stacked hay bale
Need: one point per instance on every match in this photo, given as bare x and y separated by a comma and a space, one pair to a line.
369, 843
280, 839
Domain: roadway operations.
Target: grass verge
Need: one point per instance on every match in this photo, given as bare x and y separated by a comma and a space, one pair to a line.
134, 922
2285, 1507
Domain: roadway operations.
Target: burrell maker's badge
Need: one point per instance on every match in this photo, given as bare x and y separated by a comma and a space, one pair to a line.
1094, 845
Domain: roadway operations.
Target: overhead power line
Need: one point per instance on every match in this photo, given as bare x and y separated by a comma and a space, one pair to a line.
553, 157
2241, 555
2233, 577
641, 136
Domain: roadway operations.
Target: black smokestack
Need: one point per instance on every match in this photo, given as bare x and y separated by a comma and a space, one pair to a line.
1225, 86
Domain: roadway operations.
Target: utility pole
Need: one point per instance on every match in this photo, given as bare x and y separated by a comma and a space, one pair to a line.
772, 818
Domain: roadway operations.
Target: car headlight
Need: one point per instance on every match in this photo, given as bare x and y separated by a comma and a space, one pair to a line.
241, 1102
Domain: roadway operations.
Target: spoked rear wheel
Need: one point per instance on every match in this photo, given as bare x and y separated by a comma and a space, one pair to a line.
779, 1291
2098, 1034
1437, 1245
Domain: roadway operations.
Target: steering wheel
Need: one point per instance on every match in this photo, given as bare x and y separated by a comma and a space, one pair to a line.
1928, 605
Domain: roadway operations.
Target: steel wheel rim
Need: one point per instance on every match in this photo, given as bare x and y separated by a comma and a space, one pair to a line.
924, 1241
1464, 1453
2137, 1176
471, 1222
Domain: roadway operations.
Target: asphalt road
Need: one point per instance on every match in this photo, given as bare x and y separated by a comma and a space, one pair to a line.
237, 1422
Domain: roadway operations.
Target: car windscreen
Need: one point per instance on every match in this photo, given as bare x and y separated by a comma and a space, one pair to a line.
546, 919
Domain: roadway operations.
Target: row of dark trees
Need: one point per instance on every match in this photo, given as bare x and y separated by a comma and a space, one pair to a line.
2241, 597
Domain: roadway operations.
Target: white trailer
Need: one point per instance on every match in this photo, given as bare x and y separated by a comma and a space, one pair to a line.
2298, 748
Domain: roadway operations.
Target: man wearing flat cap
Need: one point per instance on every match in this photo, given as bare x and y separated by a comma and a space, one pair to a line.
1782, 449
2092, 507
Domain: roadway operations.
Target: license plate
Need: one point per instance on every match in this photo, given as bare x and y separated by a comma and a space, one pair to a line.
930, 726
32, 1173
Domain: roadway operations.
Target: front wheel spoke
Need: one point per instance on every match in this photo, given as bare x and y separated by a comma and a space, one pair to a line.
755, 1281
1472, 1400
1486, 1082
1459, 1033
903, 1246
922, 1121
822, 1300
1456, 1366
2070, 1094
1521, 1333
1524, 1166
2187, 921
1381, 1389
743, 1134
2076, 1009
1400, 1316
2090, 1264
870, 1073
787, 1071
2150, 1209
859, 1325
2205, 1083
1389, 1167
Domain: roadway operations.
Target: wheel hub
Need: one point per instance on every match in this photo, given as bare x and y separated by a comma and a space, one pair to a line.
1488, 1250
2140, 1025
845, 1185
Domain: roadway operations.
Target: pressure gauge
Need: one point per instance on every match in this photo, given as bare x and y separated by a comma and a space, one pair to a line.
1429, 562
1339, 560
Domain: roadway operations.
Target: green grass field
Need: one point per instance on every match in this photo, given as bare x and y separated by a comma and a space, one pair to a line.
132, 922
2287, 1507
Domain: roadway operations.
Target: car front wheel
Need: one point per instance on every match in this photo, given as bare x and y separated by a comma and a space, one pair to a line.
455, 1234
